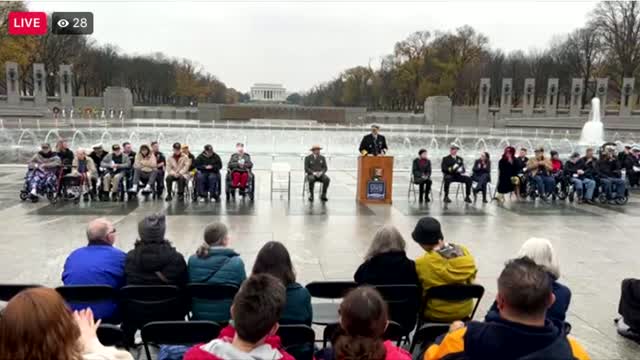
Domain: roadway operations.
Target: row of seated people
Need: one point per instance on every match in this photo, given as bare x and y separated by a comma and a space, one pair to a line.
123, 170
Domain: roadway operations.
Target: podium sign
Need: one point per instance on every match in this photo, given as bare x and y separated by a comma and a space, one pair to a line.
375, 190
375, 179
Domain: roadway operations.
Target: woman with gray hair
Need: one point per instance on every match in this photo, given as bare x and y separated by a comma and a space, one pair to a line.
542, 253
215, 263
386, 262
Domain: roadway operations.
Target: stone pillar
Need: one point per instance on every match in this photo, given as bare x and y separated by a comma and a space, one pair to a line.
39, 85
437, 110
577, 89
551, 100
66, 97
627, 97
483, 102
602, 85
506, 98
13, 82
529, 96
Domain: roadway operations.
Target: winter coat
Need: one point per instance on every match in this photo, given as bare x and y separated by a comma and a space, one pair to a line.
202, 161
590, 167
66, 156
145, 163
45, 161
609, 168
155, 262
629, 306
89, 166
374, 145
121, 161
96, 264
479, 169
452, 165
539, 167
556, 166
521, 164
97, 158
298, 308
453, 264
161, 161
221, 266
505, 340
420, 168
179, 166
221, 349
571, 169
375, 271
234, 162
507, 170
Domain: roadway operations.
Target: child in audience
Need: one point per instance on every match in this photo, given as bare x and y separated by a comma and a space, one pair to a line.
363, 321
274, 259
252, 335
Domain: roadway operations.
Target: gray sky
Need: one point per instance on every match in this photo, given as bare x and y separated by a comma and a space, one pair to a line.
303, 43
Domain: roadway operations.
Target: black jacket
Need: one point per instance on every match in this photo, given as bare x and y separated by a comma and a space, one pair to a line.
570, 168
66, 156
609, 168
629, 306
203, 160
479, 170
451, 165
97, 159
155, 262
313, 164
419, 170
373, 146
507, 170
160, 160
589, 167
521, 163
390, 268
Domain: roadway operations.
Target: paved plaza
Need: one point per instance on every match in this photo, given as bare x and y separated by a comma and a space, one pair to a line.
597, 245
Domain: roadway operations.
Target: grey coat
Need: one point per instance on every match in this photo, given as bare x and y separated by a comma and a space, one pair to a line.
234, 162
313, 164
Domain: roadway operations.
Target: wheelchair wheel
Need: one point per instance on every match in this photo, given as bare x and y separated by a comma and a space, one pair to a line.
572, 196
602, 197
24, 195
562, 195
623, 200
34, 199
52, 197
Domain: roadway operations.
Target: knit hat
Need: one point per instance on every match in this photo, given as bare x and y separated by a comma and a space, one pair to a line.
427, 231
152, 228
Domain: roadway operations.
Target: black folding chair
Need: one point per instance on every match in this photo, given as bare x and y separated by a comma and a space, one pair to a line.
142, 304
298, 340
453, 293
327, 312
7, 291
89, 295
404, 303
178, 333
213, 293
426, 335
111, 335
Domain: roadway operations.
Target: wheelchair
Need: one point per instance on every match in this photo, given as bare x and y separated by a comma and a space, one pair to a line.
601, 195
230, 191
122, 187
560, 190
194, 187
50, 191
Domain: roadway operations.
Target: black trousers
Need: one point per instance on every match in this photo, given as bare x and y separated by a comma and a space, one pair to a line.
466, 180
482, 181
424, 185
182, 183
324, 179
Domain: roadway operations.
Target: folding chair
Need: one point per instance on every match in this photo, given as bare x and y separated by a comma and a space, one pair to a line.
298, 340
211, 293
7, 291
327, 312
177, 333
403, 302
426, 335
86, 295
305, 186
111, 335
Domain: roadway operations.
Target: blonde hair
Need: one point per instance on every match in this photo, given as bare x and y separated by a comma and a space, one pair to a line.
386, 239
541, 252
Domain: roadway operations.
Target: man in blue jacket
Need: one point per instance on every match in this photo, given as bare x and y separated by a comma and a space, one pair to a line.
98, 263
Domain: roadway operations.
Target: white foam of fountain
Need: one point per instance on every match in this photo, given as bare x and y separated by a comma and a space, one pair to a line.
593, 130
51, 132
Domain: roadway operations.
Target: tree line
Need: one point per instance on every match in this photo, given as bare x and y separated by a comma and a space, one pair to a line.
452, 64
153, 79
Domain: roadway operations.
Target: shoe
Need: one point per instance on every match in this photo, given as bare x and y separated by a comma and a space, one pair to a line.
589, 202
421, 200
427, 199
447, 200
310, 198
216, 198
324, 199
85, 197
180, 197
147, 189
33, 192
134, 188
114, 196
484, 200
468, 200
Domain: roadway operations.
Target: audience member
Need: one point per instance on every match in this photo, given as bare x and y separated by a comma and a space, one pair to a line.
421, 171
177, 170
442, 264
145, 167
215, 263
521, 331
274, 259
540, 169
542, 253
98, 263
508, 170
481, 175
153, 261
37, 325
363, 321
387, 251
255, 312
628, 324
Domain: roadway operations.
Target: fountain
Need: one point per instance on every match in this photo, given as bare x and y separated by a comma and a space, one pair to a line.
593, 130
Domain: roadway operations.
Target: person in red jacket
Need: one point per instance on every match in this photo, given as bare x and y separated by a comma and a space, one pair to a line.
255, 312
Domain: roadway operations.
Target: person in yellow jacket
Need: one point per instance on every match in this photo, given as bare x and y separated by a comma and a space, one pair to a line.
442, 264
520, 331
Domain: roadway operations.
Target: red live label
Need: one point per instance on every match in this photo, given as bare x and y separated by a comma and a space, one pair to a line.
27, 23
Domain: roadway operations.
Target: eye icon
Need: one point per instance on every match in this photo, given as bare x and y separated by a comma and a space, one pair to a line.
63, 23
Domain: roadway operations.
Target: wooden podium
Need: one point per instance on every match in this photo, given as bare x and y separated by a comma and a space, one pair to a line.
367, 166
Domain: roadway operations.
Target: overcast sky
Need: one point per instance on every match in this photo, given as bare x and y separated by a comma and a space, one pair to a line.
302, 43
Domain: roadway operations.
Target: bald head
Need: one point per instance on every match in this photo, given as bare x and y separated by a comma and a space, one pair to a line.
101, 231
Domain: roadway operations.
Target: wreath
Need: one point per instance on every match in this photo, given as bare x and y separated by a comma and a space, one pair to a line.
56, 110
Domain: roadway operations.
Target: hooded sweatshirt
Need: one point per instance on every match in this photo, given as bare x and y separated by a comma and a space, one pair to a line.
453, 264
222, 349
505, 340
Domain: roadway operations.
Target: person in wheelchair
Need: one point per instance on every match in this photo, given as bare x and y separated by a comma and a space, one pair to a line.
557, 171
453, 171
574, 172
208, 165
177, 170
116, 165
43, 171
84, 168
145, 168
421, 172
481, 175
65, 154
540, 169
240, 166
97, 155
610, 173
633, 166
161, 162
315, 167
